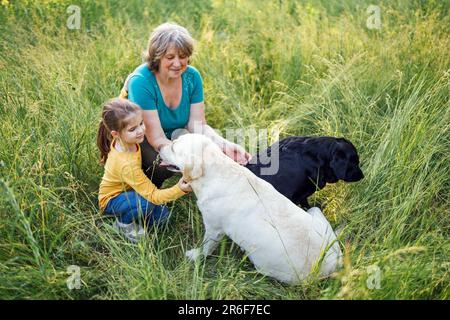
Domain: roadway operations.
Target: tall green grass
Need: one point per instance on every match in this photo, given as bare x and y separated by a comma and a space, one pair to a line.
301, 67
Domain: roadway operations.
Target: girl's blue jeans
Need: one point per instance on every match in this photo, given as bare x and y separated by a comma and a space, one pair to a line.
130, 206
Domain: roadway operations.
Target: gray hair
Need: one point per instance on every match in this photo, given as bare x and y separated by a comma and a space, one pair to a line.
164, 36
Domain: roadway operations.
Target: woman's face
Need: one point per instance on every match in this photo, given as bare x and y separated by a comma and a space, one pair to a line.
173, 63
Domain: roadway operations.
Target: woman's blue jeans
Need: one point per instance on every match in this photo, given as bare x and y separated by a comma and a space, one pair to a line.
130, 206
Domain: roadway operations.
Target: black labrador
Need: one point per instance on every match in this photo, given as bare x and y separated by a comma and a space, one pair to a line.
306, 164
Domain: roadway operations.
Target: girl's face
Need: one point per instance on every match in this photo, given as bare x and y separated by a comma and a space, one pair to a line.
133, 133
173, 63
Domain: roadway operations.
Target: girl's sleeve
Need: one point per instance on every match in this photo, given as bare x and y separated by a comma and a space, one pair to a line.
140, 92
133, 176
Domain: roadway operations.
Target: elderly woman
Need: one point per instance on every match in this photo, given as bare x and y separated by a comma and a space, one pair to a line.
170, 92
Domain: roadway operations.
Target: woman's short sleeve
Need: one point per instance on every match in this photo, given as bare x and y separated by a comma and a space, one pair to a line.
141, 93
197, 89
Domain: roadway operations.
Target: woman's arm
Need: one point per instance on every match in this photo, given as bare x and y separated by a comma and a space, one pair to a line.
140, 93
197, 124
153, 130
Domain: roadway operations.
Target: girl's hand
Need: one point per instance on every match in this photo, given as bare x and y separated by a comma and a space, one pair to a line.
237, 153
185, 186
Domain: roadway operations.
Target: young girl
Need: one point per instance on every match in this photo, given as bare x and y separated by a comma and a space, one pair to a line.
125, 191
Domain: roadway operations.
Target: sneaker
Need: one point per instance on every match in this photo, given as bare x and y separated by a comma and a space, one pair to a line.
131, 231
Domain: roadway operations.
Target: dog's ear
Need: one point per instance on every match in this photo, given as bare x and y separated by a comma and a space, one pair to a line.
193, 170
339, 164
203, 154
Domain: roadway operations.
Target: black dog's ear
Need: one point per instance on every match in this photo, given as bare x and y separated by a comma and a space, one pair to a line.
345, 161
339, 163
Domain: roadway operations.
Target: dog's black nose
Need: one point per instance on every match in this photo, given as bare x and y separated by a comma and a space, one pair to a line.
359, 175
354, 175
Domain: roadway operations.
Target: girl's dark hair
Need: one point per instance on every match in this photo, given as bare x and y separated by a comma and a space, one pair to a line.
114, 114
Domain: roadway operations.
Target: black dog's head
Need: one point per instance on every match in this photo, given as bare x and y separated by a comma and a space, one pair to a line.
344, 161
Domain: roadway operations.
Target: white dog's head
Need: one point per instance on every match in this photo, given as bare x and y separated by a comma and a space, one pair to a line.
190, 154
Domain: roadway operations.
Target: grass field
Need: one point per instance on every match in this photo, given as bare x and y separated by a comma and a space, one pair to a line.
299, 67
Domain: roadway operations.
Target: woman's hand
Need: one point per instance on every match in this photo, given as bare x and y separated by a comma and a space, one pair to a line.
197, 124
237, 153
185, 186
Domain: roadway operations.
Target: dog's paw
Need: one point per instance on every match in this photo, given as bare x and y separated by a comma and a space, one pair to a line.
193, 254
